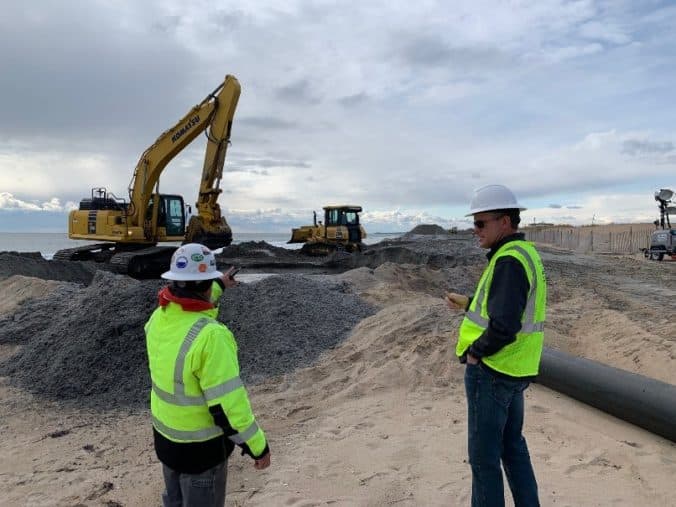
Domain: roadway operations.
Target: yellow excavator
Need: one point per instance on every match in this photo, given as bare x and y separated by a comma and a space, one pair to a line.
131, 229
341, 230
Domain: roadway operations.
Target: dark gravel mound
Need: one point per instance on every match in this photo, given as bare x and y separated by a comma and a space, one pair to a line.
427, 229
33, 264
256, 249
86, 346
397, 254
432, 251
285, 322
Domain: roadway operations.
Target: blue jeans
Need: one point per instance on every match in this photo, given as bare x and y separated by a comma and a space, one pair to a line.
195, 490
495, 421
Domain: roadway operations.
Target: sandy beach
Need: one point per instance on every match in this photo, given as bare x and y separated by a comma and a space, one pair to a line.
358, 389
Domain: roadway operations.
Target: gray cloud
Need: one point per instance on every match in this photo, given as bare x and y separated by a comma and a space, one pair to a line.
266, 122
636, 147
227, 21
574, 207
432, 51
84, 75
555, 206
167, 24
266, 162
354, 100
299, 91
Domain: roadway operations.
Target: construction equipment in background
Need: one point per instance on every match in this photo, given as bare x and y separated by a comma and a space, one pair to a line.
130, 230
341, 231
663, 240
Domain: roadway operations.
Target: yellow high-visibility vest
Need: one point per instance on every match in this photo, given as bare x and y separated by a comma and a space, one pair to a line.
520, 358
193, 365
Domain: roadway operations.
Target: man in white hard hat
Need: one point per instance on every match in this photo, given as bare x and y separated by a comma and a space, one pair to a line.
500, 340
200, 408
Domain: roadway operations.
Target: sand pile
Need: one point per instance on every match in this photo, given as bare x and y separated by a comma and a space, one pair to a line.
394, 283
16, 289
87, 344
405, 345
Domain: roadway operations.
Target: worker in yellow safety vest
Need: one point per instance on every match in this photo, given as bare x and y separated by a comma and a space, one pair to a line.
500, 340
200, 408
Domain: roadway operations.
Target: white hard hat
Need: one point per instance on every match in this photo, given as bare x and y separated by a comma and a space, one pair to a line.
493, 197
192, 262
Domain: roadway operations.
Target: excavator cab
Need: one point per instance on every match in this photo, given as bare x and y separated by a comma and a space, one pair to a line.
170, 215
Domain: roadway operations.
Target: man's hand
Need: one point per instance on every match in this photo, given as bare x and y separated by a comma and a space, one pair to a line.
263, 462
228, 278
472, 360
456, 301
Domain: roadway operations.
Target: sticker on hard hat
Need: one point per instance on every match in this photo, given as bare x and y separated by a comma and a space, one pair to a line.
197, 257
181, 262
202, 268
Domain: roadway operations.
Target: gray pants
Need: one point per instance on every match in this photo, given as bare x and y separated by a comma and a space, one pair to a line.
195, 490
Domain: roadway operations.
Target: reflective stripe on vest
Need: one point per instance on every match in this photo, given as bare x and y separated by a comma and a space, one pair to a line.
528, 324
194, 435
205, 433
179, 397
241, 437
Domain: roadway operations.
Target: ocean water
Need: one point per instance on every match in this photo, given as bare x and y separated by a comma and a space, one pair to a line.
47, 242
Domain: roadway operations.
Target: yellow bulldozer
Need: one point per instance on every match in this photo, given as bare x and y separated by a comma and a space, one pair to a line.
340, 231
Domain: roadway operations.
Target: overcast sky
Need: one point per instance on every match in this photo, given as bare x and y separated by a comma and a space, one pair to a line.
401, 107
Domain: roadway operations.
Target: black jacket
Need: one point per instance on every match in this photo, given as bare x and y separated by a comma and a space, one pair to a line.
506, 303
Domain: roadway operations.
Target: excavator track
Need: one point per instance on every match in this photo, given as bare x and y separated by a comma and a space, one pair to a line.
144, 263
100, 252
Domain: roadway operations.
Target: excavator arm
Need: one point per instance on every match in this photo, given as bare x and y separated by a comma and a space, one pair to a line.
209, 226
213, 115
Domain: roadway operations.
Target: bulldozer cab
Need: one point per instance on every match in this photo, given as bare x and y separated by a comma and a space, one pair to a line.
347, 216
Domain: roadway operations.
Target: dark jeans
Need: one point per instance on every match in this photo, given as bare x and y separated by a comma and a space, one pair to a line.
195, 490
495, 420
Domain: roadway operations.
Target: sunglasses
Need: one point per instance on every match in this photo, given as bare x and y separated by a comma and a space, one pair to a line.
480, 224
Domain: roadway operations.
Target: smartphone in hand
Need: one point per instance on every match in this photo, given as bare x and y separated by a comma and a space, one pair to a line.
234, 272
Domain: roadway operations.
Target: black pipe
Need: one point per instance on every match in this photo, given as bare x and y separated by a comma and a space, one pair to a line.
640, 400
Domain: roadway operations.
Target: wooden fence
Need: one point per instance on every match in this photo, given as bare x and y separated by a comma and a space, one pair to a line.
615, 238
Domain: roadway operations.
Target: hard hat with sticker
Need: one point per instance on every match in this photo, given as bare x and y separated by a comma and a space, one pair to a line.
192, 262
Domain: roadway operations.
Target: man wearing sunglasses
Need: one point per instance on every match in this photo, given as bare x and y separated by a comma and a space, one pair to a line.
500, 340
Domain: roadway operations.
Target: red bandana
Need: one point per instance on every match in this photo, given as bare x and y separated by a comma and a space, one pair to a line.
188, 304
